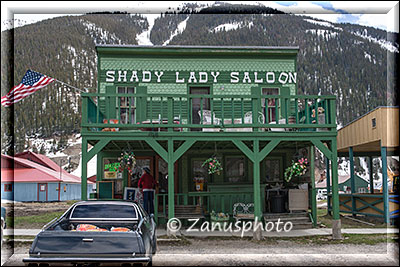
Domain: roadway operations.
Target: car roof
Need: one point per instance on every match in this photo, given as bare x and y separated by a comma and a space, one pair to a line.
109, 202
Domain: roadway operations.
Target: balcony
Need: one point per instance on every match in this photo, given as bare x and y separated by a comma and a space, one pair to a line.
181, 114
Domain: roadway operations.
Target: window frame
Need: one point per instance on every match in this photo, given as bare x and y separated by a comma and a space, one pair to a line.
245, 169
272, 107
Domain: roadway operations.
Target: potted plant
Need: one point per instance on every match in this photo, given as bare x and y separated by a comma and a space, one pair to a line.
213, 165
297, 169
219, 218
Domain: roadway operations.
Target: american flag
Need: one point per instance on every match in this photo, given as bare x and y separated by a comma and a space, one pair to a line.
31, 82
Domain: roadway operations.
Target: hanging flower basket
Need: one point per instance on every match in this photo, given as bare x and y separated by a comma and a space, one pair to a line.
127, 161
298, 168
213, 165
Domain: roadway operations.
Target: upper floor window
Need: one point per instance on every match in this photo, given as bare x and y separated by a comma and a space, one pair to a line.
270, 107
126, 104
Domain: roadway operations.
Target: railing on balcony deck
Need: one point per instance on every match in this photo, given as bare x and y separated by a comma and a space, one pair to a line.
155, 112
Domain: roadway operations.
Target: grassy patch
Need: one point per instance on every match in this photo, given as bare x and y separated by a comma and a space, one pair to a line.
324, 218
358, 239
371, 239
32, 222
25, 237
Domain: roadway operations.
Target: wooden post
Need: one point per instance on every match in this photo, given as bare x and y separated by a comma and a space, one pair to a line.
256, 180
371, 174
385, 190
171, 193
352, 181
313, 190
84, 169
257, 235
336, 224
328, 185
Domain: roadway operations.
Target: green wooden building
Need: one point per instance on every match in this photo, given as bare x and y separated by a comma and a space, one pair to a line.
177, 106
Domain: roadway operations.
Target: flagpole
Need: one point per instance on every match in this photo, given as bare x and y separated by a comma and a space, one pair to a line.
71, 86
67, 84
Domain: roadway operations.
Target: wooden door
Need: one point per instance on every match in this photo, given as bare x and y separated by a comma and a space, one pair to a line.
196, 103
42, 192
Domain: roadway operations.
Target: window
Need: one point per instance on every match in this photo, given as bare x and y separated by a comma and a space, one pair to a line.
7, 187
235, 169
269, 110
104, 211
126, 105
199, 172
273, 170
373, 122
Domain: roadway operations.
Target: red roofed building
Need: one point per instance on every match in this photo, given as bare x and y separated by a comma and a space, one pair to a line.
33, 177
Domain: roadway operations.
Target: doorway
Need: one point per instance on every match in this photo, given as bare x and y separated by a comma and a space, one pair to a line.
196, 103
42, 192
141, 162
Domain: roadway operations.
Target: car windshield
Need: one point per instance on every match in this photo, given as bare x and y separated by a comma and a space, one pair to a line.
104, 211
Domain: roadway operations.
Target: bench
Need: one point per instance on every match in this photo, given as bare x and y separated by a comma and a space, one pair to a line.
187, 212
243, 211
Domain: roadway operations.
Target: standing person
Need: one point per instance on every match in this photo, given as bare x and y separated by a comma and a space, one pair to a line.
147, 184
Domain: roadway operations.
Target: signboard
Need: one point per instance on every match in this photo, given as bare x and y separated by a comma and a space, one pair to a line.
199, 77
133, 194
111, 166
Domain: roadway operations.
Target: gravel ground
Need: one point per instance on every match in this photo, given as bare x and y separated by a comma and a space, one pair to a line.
207, 252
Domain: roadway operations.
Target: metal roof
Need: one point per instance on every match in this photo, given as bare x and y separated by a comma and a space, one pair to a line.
34, 172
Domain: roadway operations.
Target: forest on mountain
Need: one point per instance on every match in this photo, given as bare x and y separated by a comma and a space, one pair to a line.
345, 60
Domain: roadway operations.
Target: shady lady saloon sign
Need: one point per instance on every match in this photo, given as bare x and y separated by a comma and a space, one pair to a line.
200, 77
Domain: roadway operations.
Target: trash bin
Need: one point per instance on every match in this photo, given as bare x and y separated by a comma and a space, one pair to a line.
278, 204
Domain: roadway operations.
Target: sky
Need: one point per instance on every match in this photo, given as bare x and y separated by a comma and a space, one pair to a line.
378, 14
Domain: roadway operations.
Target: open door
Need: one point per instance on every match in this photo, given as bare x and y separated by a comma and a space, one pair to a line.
196, 103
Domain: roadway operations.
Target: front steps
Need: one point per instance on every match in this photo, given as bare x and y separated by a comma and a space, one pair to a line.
300, 220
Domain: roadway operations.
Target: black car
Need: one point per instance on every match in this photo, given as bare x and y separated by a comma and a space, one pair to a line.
98, 233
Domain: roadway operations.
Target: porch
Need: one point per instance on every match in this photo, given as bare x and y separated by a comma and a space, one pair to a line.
168, 128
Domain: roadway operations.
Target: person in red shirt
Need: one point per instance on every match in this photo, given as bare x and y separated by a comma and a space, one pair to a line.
147, 185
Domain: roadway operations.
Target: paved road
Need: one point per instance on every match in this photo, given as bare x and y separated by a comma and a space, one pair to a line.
226, 253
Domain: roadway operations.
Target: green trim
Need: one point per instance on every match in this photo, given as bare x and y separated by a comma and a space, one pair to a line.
322, 148
96, 149
158, 149
385, 189
313, 190
182, 149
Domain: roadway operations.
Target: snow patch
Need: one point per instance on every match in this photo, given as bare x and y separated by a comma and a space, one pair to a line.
181, 27
328, 34
232, 26
91, 168
99, 35
323, 23
383, 43
144, 37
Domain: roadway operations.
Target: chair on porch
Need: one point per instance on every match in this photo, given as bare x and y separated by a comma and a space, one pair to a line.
205, 117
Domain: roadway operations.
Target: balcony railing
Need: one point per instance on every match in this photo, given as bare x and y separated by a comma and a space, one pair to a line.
208, 113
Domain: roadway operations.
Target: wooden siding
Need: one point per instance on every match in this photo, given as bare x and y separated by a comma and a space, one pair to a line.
363, 137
